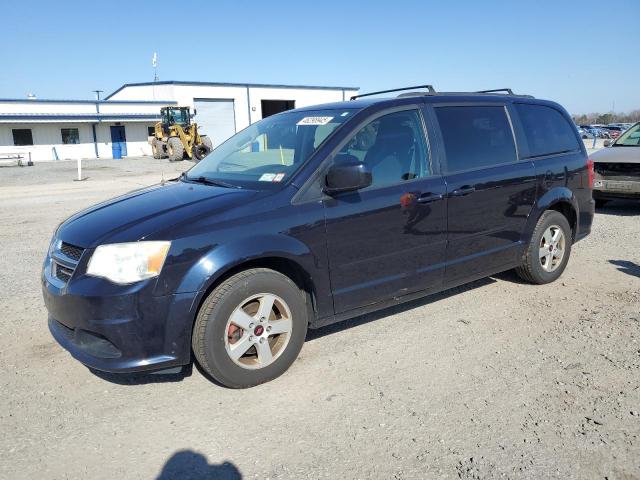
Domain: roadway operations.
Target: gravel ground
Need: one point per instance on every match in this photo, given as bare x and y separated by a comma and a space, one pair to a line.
497, 379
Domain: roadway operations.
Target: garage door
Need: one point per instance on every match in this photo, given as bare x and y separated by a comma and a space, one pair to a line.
215, 118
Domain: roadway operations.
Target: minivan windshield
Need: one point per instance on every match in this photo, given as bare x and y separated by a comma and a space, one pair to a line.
270, 151
630, 138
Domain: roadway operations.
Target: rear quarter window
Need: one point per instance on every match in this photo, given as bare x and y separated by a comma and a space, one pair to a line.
475, 137
547, 131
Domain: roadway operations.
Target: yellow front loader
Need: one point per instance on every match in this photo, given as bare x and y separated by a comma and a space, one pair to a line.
177, 138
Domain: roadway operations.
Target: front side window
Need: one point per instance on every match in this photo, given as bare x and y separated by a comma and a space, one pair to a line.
547, 130
270, 151
476, 137
22, 136
70, 136
630, 138
392, 146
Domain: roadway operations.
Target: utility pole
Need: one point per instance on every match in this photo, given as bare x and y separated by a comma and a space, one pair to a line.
98, 92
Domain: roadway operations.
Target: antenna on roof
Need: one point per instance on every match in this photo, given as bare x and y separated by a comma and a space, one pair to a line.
154, 64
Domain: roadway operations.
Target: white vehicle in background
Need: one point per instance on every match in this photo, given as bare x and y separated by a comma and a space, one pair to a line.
617, 168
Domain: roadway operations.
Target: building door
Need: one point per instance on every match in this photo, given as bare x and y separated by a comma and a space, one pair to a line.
118, 141
271, 107
215, 118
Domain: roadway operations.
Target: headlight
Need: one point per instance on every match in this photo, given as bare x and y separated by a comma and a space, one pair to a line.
128, 262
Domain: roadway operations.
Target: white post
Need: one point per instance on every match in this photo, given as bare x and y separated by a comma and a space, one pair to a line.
79, 170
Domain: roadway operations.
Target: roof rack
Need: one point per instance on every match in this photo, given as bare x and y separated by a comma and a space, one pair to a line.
428, 87
496, 90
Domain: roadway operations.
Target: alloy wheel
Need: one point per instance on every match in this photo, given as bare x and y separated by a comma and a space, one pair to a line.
258, 331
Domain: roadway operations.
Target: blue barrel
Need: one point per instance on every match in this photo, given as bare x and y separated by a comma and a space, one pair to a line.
116, 148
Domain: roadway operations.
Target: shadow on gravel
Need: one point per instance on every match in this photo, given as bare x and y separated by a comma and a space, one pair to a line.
395, 309
190, 465
510, 276
625, 266
620, 208
143, 378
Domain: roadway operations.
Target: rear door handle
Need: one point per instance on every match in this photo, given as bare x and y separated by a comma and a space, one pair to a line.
430, 197
462, 191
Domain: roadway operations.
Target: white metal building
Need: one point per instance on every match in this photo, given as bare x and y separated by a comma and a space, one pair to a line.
70, 129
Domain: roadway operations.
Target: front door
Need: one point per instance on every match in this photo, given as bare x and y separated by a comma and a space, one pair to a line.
118, 141
388, 239
490, 192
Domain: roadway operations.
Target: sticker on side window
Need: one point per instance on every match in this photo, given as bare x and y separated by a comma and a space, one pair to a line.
314, 121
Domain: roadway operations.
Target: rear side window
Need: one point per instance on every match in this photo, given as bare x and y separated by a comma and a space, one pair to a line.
476, 137
547, 130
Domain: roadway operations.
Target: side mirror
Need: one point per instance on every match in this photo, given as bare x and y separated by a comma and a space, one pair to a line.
347, 174
607, 143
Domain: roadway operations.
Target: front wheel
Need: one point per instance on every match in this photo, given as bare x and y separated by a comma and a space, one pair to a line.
175, 149
548, 251
250, 328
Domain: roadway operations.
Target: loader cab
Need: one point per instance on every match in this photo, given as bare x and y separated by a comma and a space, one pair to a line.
175, 116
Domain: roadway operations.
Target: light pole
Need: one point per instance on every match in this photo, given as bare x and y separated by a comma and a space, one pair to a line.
93, 126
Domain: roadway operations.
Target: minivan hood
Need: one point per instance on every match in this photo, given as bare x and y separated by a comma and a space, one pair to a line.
617, 155
138, 214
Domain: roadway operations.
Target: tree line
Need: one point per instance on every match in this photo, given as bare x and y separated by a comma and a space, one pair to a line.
606, 118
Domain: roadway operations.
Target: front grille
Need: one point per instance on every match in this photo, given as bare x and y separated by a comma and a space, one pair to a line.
617, 169
61, 272
71, 251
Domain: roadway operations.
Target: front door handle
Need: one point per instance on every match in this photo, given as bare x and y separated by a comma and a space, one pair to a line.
430, 197
462, 191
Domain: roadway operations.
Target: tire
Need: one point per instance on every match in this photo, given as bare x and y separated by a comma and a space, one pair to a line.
175, 149
202, 150
157, 147
601, 203
206, 141
540, 270
216, 337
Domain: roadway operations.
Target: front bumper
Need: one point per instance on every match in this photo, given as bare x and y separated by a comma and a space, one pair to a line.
119, 328
604, 188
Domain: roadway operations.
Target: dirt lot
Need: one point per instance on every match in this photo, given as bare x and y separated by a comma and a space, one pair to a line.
498, 379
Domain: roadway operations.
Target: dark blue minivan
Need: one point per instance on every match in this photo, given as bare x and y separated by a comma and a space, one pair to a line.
313, 216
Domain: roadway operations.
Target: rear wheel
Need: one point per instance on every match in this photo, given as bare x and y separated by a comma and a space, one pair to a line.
251, 328
157, 147
175, 149
548, 252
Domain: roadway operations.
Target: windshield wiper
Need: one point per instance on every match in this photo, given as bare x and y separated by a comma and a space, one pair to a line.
208, 181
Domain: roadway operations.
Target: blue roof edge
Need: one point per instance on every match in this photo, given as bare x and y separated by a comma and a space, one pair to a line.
92, 102
227, 84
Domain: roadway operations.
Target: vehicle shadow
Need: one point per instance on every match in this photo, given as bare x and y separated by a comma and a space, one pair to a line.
190, 465
393, 310
620, 208
625, 266
143, 378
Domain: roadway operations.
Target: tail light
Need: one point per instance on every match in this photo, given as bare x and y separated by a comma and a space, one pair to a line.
590, 174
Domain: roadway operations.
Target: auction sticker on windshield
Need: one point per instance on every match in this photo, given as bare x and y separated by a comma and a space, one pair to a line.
271, 177
315, 120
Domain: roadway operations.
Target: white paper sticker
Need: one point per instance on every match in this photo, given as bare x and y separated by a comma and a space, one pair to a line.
315, 120
267, 177
278, 177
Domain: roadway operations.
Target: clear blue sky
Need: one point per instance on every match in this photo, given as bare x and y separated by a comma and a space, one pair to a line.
582, 54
